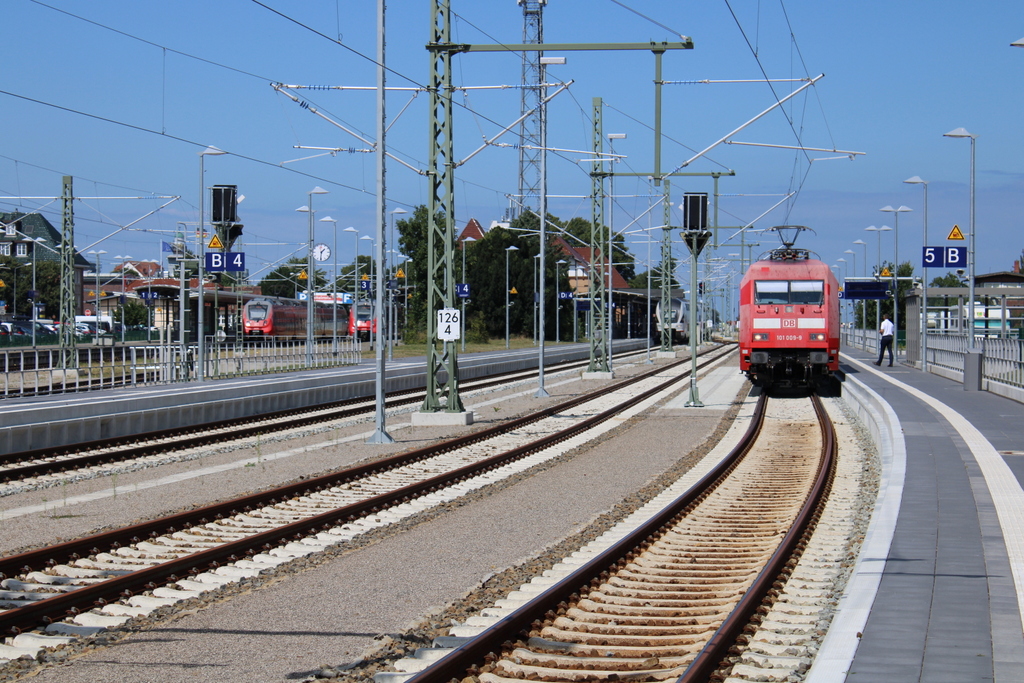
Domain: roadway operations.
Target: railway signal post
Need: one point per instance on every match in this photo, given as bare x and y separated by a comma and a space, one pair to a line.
695, 241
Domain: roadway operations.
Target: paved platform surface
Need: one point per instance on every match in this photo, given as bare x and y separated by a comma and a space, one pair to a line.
949, 599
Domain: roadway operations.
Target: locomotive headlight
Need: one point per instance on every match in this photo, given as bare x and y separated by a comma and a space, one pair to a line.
817, 336
761, 336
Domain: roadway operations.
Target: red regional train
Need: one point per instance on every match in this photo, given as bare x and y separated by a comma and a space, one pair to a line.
789, 318
270, 318
362, 322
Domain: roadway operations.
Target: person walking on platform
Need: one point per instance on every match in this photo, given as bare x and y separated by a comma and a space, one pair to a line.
886, 331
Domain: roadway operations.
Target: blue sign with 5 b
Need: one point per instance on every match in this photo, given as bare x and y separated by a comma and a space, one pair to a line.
945, 257
462, 290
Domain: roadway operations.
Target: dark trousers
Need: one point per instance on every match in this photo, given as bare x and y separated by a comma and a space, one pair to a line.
886, 344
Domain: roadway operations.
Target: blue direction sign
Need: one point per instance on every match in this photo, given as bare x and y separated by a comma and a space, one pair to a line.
945, 257
564, 296
231, 261
364, 285
462, 290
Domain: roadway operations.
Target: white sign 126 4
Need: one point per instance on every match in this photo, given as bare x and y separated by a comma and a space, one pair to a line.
449, 324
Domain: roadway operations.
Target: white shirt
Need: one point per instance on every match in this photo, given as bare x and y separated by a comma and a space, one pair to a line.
887, 328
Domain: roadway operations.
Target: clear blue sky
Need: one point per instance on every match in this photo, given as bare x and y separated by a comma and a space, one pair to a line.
897, 76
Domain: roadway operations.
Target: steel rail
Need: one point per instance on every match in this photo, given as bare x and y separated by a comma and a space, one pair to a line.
157, 441
712, 657
461, 660
59, 606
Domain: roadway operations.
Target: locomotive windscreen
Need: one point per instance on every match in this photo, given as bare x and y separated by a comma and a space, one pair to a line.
769, 292
257, 311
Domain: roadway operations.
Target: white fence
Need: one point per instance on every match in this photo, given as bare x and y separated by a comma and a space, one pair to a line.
31, 372
1003, 358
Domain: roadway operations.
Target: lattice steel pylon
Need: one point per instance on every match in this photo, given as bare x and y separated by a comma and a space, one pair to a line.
529, 130
441, 395
68, 355
598, 315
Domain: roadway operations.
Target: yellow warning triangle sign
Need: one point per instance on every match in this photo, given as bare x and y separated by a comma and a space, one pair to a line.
513, 291
955, 234
303, 276
886, 272
215, 243
400, 273
365, 277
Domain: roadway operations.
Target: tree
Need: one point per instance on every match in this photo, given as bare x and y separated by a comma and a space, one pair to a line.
132, 312
947, 280
285, 282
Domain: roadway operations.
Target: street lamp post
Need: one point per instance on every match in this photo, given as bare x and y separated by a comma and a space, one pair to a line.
558, 301
961, 133
916, 180
392, 327
36, 241
124, 297
896, 270
863, 270
853, 255
508, 250
464, 279
97, 254
355, 271
878, 268
373, 335
310, 275
200, 323
334, 286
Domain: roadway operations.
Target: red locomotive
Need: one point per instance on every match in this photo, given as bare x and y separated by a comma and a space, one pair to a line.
270, 318
789, 317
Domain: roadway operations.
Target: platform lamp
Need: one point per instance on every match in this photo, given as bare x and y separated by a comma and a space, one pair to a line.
465, 241
97, 254
36, 243
508, 250
334, 285
916, 180
558, 300
392, 327
200, 323
896, 269
355, 266
878, 267
310, 275
374, 338
961, 133
124, 295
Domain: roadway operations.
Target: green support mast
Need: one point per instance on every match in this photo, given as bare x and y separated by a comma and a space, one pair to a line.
68, 355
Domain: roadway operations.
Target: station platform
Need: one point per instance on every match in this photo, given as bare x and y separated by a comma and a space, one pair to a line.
938, 591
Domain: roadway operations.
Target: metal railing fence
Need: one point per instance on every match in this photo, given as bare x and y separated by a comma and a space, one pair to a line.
34, 372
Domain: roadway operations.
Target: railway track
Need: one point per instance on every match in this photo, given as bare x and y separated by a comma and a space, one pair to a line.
672, 593
82, 586
48, 462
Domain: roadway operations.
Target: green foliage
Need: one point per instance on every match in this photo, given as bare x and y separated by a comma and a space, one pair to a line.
284, 280
133, 312
486, 261
17, 275
947, 280
477, 332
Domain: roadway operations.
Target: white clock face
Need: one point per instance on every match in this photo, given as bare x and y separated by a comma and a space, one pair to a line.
321, 252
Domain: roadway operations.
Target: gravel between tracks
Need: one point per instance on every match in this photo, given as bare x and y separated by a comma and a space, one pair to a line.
319, 616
